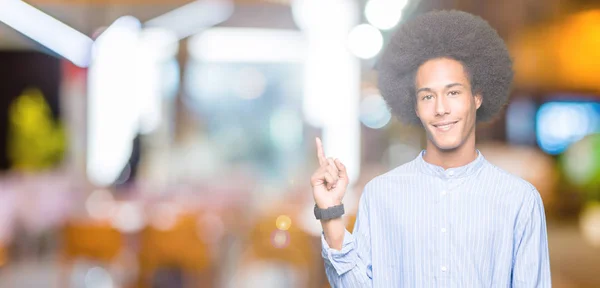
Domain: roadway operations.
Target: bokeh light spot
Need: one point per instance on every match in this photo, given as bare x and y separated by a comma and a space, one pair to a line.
283, 222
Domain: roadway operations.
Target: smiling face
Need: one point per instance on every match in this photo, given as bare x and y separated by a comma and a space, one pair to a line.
445, 104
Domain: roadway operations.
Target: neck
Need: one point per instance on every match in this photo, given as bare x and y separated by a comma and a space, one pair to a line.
460, 156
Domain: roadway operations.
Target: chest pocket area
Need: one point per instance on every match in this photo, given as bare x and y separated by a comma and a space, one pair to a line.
477, 227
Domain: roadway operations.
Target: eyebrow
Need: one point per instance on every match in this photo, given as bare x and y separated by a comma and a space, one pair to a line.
447, 86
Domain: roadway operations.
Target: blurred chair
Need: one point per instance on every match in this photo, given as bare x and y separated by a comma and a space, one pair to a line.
97, 241
3, 255
269, 248
177, 248
88, 240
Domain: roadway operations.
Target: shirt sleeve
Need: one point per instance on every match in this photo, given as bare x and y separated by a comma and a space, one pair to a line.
531, 261
351, 266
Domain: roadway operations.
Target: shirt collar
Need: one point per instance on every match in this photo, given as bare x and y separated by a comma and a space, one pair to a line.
455, 172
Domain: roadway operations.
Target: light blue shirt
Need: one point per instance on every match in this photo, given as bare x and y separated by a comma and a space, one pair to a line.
419, 225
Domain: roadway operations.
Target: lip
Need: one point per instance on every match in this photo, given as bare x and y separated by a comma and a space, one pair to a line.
444, 126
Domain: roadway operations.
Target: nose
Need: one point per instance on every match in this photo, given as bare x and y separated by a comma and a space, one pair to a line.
441, 106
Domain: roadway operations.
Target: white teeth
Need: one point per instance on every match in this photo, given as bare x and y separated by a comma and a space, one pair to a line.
445, 127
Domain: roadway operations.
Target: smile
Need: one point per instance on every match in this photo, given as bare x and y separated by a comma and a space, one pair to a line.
445, 126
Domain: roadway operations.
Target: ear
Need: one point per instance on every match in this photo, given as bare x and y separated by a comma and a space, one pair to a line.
478, 101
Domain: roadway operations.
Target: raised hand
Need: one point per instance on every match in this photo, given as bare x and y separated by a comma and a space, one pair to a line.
329, 181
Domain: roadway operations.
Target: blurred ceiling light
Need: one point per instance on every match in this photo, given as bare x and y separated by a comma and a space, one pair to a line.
306, 13
160, 44
193, 17
384, 14
112, 99
332, 77
374, 112
365, 41
310, 15
247, 45
49, 32
126, 27
156, 47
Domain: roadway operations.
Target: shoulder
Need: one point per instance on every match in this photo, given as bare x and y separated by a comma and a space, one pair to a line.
391, 179
522, 190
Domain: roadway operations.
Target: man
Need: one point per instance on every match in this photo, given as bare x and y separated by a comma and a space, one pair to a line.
448, 218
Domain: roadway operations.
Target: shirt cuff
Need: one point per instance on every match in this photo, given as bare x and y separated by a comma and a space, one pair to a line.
343, 260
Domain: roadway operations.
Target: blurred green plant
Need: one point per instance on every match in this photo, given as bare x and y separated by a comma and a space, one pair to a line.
581, 166
35, 140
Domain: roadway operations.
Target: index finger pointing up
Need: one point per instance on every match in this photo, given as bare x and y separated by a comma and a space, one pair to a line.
320, 154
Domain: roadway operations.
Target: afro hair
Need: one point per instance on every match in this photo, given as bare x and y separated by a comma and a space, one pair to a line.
445, 34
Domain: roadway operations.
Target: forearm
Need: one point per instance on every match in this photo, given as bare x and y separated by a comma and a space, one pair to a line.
334, 231
347, 256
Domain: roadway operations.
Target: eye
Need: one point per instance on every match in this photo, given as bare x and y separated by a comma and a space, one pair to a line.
427, 97
454, 93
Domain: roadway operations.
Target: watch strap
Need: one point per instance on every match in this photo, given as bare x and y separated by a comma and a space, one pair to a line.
329, 213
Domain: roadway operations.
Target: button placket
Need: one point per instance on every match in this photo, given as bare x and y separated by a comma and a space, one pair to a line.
445, 199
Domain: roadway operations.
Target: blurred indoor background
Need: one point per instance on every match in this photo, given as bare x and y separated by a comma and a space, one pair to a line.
170, 143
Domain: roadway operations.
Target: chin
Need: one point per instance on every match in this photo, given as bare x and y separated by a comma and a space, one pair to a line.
446, 144
447, 147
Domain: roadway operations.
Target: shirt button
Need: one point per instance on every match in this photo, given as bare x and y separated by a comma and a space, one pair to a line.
450, 173
444, 268
443, 230
444, 192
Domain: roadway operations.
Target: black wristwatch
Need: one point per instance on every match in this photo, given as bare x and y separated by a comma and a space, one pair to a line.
329, 213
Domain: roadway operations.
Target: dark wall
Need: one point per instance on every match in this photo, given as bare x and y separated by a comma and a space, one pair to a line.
19, 70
